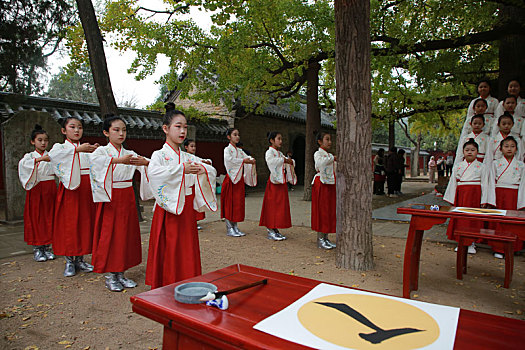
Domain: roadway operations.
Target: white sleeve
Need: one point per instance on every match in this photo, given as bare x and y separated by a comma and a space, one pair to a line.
28, 171
250, 175
488, 191
233, 165
145, 188
275, 165
65, 162
521, 190
101, 175
167, 183
290, 173
205, 198
497, 113
450, 193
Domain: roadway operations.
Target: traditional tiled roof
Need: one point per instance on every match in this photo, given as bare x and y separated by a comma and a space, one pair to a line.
141, 123
287, 111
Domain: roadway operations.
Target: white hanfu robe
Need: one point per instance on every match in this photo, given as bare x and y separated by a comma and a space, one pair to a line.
492, 103
496, 143
280, 172
106, 176
38, 179
236, 168
325, 166
174, 252
68, 164
75, 210
484, 142
31, 173
475, 173
275, 212
323, 215
518, 116
170, 185
116, 237
510, 175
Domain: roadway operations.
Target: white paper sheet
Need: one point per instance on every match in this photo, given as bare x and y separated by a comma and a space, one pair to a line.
322, 326
480, 211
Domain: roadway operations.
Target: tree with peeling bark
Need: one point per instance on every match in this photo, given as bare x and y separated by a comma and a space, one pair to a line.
97, 57
354, 135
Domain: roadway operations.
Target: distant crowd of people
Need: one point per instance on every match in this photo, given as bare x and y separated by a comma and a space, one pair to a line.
389, 168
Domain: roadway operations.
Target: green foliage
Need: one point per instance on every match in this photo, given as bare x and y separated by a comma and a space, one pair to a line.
30, 31
75, 86
257, 51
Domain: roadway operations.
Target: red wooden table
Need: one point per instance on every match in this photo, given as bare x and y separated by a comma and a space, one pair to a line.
197, 326
424, 219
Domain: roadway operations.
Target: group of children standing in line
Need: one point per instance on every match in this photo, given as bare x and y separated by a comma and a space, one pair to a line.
489, 171
94, 212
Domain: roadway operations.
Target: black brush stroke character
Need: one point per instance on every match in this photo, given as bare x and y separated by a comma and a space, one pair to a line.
380, 334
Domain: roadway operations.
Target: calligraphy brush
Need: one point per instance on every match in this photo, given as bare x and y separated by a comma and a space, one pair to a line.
217, 295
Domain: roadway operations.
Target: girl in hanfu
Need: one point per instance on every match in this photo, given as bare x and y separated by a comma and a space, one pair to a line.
275, 213
75, 210
116, 238
180, 186
38, 179
240, 170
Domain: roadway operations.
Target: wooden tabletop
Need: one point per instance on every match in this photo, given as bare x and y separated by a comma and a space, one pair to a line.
233, 328
511, 216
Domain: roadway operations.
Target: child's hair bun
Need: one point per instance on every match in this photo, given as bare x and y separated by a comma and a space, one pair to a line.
38, 127
170, 106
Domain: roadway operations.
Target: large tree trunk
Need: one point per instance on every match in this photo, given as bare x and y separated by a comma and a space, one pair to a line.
354, 135
313, 125
511, 50
414, 158
99, 69
97, 58
391, 134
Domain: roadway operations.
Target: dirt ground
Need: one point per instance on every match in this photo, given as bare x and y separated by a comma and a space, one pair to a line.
41, 309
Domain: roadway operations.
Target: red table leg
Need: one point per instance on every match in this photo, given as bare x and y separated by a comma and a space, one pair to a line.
418, 224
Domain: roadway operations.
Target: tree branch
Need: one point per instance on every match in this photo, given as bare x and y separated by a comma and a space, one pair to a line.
469, 39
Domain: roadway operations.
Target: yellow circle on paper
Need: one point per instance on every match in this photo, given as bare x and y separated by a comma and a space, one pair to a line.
343, 317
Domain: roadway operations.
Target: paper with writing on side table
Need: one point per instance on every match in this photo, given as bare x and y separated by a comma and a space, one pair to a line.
333, 317
480, 211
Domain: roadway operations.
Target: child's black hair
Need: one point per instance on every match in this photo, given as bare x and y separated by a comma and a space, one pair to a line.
505, 115
485, 81
401, 151
320, 135
170, 113
471, 142
478, 116
65, 120
37, 131
109, 119
508, 138
271, 135
514, 79
509, 96
481, 100
229, 131
187, 142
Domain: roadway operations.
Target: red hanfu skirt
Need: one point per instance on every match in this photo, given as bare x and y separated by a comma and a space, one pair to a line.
39, 212
174, 253
200, 215
466, 196
232, 200
323, 207
116, 238
74, 220
275, 211
507, 199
